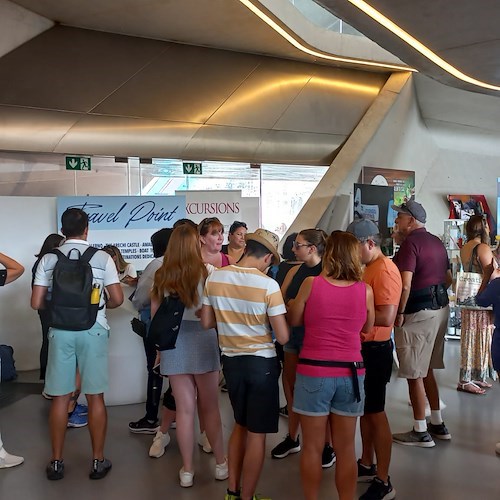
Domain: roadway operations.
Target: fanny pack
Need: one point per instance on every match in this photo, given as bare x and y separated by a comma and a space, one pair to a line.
353, 365
433, 297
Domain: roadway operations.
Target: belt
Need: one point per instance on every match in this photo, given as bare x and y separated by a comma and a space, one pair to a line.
353, 365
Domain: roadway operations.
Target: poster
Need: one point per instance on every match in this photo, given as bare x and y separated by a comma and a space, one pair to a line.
403, 181
463, 206
126, 222
374, 203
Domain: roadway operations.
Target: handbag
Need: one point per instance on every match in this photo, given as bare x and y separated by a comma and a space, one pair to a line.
467, 286
166, 323
139, 327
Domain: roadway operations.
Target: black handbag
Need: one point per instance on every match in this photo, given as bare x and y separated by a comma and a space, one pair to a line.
166, 323
139, 327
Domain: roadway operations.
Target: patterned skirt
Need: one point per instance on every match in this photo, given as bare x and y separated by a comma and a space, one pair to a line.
475, 346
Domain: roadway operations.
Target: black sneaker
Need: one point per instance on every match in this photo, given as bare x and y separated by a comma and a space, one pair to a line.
284, 411
366, 474
144, 426
439, 431
328, 457
286, 447
378, 490
100, 468
55, 470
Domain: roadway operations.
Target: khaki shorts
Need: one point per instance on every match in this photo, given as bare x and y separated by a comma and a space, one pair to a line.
420, 342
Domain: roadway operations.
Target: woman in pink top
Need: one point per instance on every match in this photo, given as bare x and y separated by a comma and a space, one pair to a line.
335, 307
211, 233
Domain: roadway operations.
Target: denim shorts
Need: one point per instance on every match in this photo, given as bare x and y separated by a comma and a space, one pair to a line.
87, 350
317, 396
294, 344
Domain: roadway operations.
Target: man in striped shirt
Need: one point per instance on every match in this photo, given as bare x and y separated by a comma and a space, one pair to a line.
245, 304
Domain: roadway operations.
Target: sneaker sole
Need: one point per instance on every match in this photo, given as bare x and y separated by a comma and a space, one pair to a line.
329, 464
99, 476
158, 455
76, 426
289, 452
144, 431
419, 444
390, 495
443, 437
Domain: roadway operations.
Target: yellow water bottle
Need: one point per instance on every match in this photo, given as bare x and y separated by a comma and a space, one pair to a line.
95, 296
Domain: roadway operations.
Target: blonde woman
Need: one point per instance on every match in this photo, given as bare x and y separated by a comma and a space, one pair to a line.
193, 366
126, 271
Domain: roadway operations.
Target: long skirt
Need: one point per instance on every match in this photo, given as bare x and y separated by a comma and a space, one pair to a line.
475, 346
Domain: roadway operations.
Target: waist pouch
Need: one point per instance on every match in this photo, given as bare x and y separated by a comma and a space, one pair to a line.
433, 297
353, 365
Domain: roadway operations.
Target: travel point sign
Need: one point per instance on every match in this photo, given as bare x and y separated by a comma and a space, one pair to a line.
191, 168
78, 163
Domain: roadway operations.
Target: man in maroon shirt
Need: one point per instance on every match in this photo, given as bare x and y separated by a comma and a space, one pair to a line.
421, 321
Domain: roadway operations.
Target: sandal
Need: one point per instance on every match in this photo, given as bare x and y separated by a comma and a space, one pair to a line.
484, 385
470, 387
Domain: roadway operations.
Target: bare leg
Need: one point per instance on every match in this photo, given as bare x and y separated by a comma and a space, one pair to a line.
367, 430
380, 439
432, 390
76, 393
58, 422
208, 406
252, 464
236, 454
184, 388
313, 429
167, 417
289, 375
343, 431
98, 423
417, 398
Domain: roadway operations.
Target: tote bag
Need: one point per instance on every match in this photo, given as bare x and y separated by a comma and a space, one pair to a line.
166, 323
468, 284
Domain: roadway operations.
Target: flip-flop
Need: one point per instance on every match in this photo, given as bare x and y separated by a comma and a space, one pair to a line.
484, 385
470, 387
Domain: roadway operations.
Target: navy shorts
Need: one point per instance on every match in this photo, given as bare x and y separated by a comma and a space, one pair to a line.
252, 385
378, 357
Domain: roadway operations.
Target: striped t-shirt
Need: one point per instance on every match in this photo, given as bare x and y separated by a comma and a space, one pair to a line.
242, 299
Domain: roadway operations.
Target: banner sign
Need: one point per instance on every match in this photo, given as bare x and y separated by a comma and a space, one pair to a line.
403, 181
126, 212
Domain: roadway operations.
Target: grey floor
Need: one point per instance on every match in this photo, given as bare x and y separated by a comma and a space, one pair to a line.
465, 468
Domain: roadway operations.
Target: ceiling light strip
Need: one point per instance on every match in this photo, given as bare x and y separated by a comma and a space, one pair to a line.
289, 38
420, 47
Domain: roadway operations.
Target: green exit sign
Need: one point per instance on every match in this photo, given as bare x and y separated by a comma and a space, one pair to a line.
77, 163
191, 168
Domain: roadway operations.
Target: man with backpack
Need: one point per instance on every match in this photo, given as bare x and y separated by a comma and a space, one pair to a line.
10, 272
83, 282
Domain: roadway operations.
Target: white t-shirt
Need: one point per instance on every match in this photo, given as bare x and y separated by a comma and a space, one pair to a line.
129, 271
103, 271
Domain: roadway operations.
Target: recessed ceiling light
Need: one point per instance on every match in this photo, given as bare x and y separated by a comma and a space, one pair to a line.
321, 55
420, 47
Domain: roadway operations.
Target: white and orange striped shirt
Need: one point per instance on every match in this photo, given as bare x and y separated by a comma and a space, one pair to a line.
242, 299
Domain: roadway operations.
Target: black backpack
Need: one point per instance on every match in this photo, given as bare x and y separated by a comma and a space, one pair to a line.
70, 304
166, 323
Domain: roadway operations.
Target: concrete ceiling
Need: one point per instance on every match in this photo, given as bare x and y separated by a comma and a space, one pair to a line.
462, 32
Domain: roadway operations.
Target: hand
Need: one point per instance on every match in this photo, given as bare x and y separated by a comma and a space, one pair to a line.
400, 319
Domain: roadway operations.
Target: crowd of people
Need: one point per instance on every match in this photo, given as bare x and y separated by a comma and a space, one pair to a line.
332, 303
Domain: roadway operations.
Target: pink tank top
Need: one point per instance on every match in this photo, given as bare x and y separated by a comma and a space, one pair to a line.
224, 259
333, 319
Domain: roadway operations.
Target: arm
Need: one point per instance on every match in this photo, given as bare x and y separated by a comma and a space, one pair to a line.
485, 258
13, 268
280, 328
288, 279
38, 294
295, 315
114, 293
385, 315
207, 317
370, 310
406, 278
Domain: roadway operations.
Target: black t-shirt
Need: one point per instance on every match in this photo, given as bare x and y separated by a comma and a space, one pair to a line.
3, 276
302, 273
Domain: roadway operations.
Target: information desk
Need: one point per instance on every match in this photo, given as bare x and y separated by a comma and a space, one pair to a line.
127, 361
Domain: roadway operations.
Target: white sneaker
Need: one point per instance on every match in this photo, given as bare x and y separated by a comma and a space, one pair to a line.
7, 460
222, 471
497, 448
160, 442
204, 443
186, 478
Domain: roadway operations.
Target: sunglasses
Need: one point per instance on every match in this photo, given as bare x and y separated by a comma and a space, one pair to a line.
295, 244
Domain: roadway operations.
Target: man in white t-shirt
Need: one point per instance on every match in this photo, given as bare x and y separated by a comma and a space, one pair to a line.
243, 303
85, 349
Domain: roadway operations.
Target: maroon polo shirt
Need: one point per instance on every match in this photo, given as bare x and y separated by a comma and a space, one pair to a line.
425, 256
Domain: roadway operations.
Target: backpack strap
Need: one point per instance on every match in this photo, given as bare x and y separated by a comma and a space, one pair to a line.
88, 254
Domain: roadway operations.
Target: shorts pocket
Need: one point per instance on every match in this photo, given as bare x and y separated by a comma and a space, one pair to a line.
311, 385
